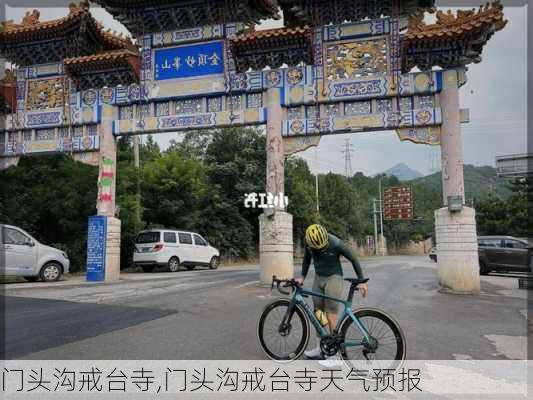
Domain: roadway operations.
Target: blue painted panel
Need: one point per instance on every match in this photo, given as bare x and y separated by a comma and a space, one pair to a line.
44, 119
439, 80
96, 248
189, 61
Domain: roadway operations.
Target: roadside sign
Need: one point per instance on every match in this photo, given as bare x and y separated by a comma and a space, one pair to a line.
96, 248
397, 203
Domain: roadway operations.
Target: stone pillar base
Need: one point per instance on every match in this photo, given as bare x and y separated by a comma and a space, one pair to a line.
112, 261
276, 247
457, 255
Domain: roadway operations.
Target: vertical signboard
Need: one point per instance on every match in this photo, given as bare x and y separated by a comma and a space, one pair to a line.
96, 248
397, 203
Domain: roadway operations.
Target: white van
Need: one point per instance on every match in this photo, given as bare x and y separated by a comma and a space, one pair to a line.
23, 255
171, 248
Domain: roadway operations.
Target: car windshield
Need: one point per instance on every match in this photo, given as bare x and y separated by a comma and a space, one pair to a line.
148, 237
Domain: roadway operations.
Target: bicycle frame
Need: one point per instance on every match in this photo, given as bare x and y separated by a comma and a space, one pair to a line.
298, 298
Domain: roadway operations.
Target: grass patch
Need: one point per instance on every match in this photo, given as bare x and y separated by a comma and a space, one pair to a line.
11, 279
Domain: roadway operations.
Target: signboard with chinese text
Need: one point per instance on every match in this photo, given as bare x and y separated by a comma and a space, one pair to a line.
397, 203
96, 248
189, 61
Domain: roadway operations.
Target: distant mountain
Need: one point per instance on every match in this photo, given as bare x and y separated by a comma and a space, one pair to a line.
403, 172
480, 182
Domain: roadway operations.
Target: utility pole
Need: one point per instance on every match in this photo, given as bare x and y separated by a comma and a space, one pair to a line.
347, 151
136, 158
316, 188
316, 193
381, 241
375, 228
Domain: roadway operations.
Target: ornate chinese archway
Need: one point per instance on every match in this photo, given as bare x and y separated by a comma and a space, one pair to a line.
203, 65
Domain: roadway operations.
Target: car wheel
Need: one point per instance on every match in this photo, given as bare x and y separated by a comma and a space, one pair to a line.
148, 268
173, 264
51, 272
213, 264
483, 268
190, 267
31, 278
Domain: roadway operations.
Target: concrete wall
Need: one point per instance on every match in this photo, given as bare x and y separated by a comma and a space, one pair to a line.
361, 250
412, 248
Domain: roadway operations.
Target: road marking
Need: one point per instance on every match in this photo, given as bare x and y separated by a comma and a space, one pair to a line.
134, 288
246, 284
513, 347
461, 356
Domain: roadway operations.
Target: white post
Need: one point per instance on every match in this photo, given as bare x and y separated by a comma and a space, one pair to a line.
458, 265
136, 156
275, 226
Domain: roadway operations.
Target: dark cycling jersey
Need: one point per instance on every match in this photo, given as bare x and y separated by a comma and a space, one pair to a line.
327, 262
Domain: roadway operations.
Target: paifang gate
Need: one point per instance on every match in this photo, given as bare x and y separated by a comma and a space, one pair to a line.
198, 64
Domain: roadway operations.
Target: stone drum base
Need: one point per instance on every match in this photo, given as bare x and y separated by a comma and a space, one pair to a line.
276, 246
457, 255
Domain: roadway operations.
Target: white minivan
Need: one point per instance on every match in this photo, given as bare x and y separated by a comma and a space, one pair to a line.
23, 255
171, 248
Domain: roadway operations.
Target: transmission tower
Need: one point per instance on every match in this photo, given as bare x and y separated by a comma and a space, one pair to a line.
347, 151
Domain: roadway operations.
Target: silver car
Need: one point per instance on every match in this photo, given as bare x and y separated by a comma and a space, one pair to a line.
22, 255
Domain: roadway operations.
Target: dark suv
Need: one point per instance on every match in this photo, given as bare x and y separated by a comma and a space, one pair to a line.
503, 253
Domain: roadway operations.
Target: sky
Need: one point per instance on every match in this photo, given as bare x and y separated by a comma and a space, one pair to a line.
495, 94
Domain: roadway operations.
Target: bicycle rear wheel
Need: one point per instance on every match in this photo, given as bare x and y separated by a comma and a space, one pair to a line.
389, 346
283, 343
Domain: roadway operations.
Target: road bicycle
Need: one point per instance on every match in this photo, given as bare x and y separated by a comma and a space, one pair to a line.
365, 334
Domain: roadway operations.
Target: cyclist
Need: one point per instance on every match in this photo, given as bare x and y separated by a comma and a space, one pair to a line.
325, 250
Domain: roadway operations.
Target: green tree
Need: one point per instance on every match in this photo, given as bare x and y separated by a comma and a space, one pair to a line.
492, 217
236, 161
194, 144
51, 197
496, 216
173, 189
149, 150
300, 189
517, 205
127, 199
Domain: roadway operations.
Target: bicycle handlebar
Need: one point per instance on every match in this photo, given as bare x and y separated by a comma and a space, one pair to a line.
286, 283
293, 283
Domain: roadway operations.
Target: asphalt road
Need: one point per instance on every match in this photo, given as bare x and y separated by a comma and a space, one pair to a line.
205, 314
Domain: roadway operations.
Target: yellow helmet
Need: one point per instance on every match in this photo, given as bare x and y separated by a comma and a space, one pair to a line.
316, 237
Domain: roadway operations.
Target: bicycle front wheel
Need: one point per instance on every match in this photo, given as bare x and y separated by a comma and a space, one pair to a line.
387, 341
283, 342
